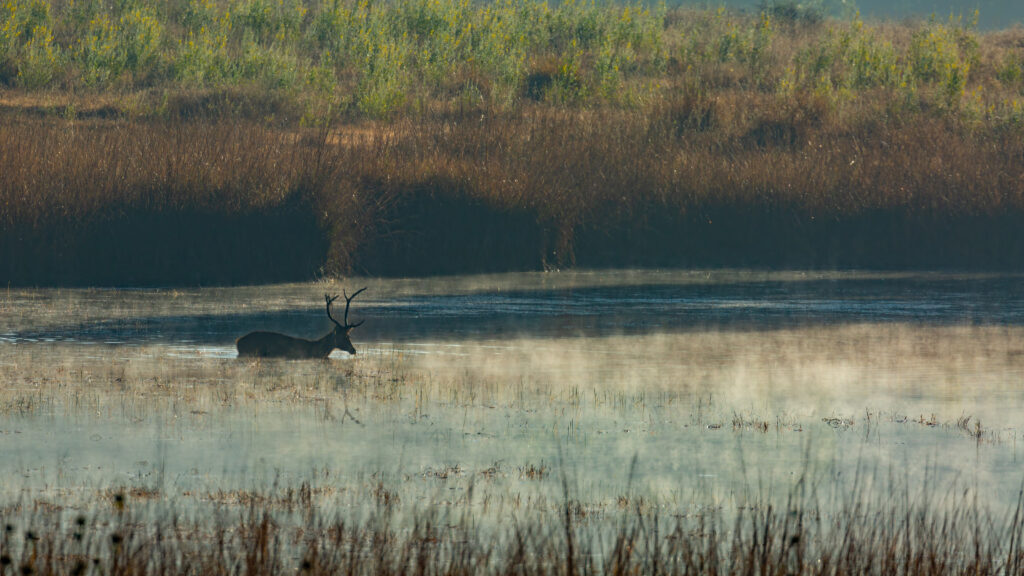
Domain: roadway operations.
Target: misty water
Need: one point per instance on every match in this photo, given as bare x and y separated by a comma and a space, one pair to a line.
496, 394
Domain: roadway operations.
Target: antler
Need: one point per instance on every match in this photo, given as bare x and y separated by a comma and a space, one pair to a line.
348, 302
330, 300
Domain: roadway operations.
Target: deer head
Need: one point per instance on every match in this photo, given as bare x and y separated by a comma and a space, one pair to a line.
341, 329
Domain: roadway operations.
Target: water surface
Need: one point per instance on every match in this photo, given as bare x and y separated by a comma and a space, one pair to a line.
724, 385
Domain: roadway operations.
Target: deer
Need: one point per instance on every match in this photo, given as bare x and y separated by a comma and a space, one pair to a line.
277, 345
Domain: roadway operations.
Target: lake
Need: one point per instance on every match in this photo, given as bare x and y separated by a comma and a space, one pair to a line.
500, 395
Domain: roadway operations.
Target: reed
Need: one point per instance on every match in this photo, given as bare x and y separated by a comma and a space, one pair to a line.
909, 533
145, 203
202, 142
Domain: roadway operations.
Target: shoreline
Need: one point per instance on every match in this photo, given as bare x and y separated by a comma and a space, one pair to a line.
589, 136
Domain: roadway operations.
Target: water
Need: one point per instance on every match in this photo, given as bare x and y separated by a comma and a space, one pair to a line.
485, 392
537, 305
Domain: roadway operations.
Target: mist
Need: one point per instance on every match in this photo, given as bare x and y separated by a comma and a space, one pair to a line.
992, 14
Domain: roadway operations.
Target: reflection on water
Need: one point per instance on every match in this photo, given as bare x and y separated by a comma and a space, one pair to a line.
726, 385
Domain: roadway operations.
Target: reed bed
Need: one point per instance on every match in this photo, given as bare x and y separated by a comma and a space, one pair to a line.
429, 137
910, 531
143, 203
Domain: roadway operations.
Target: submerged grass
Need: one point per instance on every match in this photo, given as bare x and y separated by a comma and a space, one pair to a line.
206, 142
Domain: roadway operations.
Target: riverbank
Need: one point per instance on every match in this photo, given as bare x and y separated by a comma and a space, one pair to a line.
195, 203
717, 139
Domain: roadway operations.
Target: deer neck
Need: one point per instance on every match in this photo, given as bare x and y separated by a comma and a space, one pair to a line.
325, 345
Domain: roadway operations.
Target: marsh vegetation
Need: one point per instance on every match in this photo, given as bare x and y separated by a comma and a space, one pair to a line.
207, 142
717, 421
543, 423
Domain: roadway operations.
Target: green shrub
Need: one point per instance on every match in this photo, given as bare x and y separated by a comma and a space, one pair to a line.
41, 59
198, 14
110, 48
203, 56
270, 20
22, 54
273, 66
384, 83
1011, 70
942, 55
851, 58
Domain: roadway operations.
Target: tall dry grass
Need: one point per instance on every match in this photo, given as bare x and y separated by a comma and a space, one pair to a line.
598, 136
912, 533
694, 181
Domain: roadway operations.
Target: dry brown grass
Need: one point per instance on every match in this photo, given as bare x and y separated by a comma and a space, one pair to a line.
910, 534
700, 180
707, 164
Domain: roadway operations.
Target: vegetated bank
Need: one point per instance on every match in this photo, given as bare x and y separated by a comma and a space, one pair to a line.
206, 142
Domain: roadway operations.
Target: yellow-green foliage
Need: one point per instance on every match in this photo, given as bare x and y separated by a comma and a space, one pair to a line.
198, 14
507, 32
203, 56
275, 66
114, 45
942, 55
568, 81
746, 43
849, 57
1011, 69
377, 58
717, 38
18, 20
269, 20
1014, 112
41, 59
26, 42
382, 89
636, 32
872, 63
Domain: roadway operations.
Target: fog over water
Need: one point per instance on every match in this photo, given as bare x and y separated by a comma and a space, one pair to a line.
725, 385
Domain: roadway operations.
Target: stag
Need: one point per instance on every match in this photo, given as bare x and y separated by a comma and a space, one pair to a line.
276, 345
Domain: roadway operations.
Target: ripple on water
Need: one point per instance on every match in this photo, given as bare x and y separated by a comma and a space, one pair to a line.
609, 368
